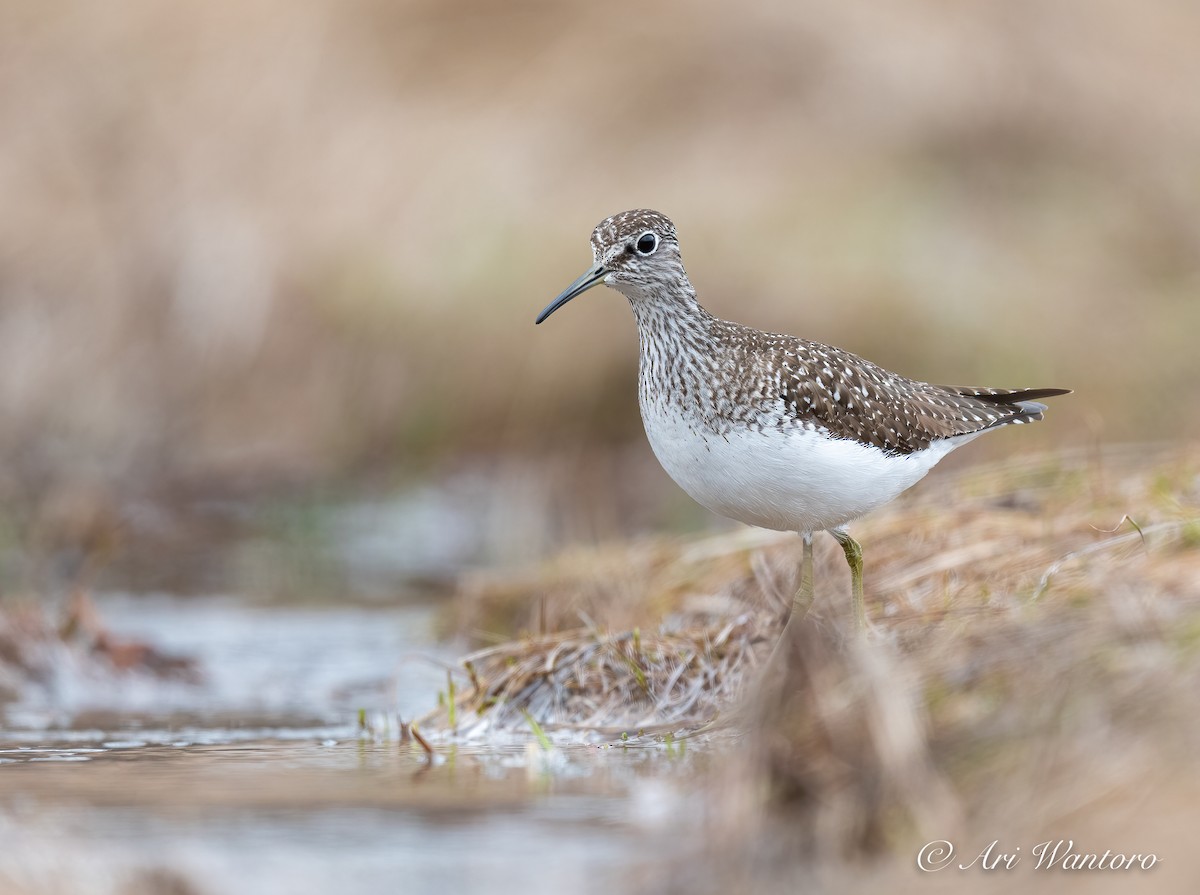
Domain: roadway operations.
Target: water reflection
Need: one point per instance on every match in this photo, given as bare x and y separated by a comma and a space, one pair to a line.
258, 779
309, 815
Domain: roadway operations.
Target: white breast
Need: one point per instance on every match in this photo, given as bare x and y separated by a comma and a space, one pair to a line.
796, 479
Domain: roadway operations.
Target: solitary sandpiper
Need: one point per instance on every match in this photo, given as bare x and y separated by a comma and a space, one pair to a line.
773, 430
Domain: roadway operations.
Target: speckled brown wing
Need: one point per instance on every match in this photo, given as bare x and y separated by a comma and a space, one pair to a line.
851, 397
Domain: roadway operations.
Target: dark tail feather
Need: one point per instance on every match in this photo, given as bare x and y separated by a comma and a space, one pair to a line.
1010, 395
1019, 401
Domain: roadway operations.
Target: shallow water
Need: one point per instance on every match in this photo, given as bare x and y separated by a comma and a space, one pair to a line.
258, 779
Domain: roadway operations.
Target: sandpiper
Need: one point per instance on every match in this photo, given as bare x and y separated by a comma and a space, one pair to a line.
770, 429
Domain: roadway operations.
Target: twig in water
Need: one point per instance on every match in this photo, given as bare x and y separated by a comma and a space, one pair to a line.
416, 734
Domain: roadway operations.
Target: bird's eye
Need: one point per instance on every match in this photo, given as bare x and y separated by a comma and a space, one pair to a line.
647, 243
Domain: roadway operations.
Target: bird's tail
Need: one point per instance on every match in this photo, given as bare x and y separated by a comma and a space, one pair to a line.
1022, 401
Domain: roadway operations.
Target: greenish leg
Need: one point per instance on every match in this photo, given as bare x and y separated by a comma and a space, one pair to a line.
801, 603
803, 599
853, 552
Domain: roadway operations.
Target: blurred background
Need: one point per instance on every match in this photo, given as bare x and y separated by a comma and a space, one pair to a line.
268, 276
269, 249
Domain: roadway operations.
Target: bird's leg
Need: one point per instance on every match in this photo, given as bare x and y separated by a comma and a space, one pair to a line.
853, 552
803, 599
801, 603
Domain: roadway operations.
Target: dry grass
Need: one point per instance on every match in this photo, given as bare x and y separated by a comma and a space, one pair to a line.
608, 684
1032, 672
967, 556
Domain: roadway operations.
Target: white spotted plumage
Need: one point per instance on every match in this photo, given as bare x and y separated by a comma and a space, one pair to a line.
769, 429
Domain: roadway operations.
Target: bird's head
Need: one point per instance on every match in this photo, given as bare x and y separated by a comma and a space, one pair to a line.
635, 252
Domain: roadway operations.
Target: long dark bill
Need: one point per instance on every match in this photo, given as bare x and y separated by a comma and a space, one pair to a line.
593, 276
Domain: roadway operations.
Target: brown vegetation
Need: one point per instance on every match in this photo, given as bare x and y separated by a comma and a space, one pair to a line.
1034, 661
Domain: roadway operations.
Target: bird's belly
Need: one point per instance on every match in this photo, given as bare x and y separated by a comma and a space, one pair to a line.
792, 479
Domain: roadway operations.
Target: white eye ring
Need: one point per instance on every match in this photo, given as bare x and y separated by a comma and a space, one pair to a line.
650, 247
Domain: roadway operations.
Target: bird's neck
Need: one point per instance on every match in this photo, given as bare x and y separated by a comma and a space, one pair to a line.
679, 345
670, 313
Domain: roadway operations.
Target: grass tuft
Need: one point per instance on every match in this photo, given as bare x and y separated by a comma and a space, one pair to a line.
994, 550
543, 740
